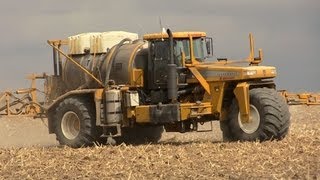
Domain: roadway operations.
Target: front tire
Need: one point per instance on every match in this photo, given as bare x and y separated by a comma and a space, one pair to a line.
270, 118
74, 123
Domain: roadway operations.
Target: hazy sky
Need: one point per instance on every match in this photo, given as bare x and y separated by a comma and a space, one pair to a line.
287, 30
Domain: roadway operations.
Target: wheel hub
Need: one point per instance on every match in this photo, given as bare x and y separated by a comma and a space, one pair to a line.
70, 125
254, 122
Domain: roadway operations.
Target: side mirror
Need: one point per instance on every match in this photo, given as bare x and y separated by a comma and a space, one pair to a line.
209, 46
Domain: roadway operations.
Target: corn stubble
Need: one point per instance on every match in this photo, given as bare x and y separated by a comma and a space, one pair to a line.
195, 156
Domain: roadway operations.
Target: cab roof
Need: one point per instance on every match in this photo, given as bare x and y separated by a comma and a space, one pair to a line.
175, 35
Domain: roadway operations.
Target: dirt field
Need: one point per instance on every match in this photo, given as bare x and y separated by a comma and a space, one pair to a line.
28, 152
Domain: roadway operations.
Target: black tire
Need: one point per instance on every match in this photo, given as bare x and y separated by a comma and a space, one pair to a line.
142, 134
271, 118
74, 123
226, 132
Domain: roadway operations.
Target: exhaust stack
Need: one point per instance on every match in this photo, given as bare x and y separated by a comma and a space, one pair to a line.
172, 85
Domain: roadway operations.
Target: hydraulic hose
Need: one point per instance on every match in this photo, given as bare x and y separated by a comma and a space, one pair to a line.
109, 65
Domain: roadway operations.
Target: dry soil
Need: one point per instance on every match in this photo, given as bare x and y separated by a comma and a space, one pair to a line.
28, 152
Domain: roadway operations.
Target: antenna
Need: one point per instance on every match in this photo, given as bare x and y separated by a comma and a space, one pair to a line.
162, 30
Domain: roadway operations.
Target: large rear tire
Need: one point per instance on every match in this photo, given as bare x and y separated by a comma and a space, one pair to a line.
74, 123
270, 118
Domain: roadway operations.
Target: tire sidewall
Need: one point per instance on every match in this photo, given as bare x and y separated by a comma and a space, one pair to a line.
236, 129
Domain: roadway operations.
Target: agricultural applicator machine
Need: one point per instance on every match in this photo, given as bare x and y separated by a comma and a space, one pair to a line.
118, 87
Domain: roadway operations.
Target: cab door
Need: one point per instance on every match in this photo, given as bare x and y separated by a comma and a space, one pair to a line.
158, 64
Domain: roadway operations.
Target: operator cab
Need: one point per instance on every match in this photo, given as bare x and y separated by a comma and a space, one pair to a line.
188, 48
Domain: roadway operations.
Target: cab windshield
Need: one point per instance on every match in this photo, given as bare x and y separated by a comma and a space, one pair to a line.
183, 45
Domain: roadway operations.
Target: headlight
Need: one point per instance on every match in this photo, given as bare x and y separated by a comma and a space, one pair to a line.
273, 71
250, 72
